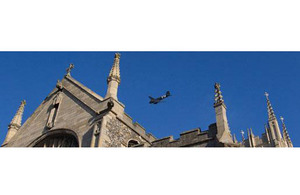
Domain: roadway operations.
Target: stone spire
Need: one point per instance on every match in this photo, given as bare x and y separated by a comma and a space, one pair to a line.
243, 137
218, 95
223, 131
15, 123
286, 136
249, 135
114, 78
234, 139
251, 138
114, 73
275, 134
267, 134
17, 120
271, 114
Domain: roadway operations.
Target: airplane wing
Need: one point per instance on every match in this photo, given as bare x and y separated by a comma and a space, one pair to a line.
168, 93
162, 97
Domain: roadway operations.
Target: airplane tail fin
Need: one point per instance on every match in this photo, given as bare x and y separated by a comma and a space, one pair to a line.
151, 98
168, 94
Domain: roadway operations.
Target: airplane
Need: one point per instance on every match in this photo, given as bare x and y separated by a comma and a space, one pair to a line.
157, 100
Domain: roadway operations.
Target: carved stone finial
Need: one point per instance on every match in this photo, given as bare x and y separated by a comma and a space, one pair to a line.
217, 86
243, 137
24, 102
17, 120
69, 69
271, 113
282, 119
266, 94
59, 84
15, 123
218, 95
114, 73
117, 55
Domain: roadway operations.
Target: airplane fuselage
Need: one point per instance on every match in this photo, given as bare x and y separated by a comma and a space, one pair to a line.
157, 100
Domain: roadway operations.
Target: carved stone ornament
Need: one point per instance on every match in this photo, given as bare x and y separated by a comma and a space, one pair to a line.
69, 69
57, 99
97, 129
59, 84
54, 110
119, 134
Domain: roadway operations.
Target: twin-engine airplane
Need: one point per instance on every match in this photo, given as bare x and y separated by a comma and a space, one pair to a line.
157, 100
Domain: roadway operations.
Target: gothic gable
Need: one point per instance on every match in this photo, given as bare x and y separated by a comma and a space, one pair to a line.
69, 106
72, 106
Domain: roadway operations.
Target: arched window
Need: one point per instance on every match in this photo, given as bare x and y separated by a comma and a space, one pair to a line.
58, 140
132, 143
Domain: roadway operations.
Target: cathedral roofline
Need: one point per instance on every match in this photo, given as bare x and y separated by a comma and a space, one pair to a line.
84, 87
126, 118
198, 130
120, 103
83, 110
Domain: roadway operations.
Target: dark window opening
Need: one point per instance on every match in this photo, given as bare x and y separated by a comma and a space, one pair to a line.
132, 143
58, 140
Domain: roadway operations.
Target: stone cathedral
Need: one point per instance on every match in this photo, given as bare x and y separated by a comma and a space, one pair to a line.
72, 115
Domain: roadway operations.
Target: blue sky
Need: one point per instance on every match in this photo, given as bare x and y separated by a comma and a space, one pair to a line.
190, 76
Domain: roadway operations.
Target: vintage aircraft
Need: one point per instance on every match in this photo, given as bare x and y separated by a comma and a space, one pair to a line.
157, 100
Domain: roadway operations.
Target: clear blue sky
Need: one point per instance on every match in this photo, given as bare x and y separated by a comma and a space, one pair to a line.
190, 76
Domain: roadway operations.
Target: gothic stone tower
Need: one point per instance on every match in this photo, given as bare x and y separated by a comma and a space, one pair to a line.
15, 124
272, 136
223, 134
273, 129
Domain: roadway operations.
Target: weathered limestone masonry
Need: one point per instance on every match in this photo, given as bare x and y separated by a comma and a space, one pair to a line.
194, 138
272, 136
224, 134
73, 110
15, 124
72, 115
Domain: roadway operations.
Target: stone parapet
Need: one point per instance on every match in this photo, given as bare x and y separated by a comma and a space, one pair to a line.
194, 137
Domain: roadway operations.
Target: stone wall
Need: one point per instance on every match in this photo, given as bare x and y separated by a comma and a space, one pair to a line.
76, 108
192, 138
72, 114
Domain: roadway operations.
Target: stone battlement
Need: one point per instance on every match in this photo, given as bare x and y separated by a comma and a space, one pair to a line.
194, 137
